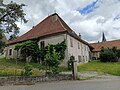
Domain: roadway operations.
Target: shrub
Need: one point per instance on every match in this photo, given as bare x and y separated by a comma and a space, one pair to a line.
55, 70
108, 55
28, 70
70, 62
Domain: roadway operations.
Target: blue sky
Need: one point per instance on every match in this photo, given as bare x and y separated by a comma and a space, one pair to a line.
89, 8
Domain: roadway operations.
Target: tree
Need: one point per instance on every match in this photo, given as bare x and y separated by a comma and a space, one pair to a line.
52, 60
10, 14
109, 54
2, 44
13, 37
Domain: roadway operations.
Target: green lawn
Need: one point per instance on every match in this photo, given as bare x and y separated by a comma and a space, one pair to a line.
8, 67
10, 63
112, 68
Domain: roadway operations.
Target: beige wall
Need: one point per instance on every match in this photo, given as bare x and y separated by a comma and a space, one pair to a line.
14, 52
55, 40
58, 38
83, 52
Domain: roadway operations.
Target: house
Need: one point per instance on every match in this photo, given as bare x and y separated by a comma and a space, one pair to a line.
53, 30
107, 44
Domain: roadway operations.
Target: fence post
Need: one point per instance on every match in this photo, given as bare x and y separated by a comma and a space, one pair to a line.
74, 69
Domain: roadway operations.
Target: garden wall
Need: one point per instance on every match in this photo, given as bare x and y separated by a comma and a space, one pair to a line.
27, 80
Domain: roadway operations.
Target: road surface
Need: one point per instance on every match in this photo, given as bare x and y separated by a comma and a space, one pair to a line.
69, 85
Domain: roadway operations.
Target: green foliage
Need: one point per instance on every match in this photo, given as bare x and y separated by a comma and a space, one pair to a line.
8, 68
53, 54
70, 62
10, 72
13, 37
59, 48
55, 70
29, 48
1, 36
52, 59
109, 55
2, 45
10, 14
28, 70
118, 53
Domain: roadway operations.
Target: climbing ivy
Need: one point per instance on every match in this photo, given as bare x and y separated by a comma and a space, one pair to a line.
29, 48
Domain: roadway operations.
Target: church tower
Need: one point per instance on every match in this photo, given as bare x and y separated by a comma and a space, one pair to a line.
103, 37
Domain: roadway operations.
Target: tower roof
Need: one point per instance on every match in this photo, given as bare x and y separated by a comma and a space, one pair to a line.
103, 37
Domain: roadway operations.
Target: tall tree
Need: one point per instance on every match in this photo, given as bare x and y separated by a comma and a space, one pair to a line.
13, 37
10, 14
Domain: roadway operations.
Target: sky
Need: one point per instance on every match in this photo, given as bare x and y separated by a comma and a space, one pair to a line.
90, 18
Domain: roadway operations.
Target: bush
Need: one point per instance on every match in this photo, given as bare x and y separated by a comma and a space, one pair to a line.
28, 70
70, 62
69, 65
56, 70
108, 55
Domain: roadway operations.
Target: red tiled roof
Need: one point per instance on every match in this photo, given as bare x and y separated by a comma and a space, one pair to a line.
108, 44
50, 25
46, 27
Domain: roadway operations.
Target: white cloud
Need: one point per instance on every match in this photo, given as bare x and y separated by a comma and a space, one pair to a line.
90, 26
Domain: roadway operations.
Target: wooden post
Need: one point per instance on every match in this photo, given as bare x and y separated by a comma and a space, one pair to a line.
74, 69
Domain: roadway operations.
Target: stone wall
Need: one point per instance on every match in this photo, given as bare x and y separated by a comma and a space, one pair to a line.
26, 80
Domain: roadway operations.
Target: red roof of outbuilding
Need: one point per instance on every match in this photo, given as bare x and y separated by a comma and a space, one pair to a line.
108, 44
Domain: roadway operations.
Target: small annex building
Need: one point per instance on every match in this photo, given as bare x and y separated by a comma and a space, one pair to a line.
99, 45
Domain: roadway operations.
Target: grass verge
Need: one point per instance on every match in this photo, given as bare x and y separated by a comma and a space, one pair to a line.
112, 68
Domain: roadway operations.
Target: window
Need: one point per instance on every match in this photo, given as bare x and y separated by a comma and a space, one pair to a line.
86, 58
83, 59
71, 42
79, 59
10, 51
85, 47
78, 45
42, 44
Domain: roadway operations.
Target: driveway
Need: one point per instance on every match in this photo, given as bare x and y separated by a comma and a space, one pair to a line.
70, 85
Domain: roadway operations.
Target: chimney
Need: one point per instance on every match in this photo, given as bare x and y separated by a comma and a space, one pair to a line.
33, 26
79, 35
54, 17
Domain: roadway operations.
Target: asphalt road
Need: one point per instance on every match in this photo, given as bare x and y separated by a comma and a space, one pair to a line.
69, 85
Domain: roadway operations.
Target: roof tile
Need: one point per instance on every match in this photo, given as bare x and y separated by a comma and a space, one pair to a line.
107, 44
